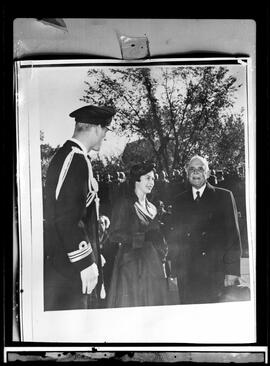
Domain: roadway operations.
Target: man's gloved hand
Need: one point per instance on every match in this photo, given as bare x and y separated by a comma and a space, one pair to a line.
231, 280
89, 277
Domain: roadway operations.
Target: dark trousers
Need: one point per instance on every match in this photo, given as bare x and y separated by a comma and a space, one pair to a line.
61, 293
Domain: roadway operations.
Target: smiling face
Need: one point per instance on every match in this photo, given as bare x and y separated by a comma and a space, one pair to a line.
197, 173
146, 183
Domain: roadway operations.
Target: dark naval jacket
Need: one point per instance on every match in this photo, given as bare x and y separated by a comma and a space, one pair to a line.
70, 227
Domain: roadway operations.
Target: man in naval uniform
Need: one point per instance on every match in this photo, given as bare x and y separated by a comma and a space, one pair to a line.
72, 261
205, 238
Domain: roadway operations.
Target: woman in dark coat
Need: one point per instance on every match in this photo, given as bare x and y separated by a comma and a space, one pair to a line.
139, 277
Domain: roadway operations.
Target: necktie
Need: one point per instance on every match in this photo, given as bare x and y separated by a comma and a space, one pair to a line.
197, 199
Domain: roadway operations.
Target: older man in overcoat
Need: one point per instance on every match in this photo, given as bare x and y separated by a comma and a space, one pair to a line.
72, 260
205, 238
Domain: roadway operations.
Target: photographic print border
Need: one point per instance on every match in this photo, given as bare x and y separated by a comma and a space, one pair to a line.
30, 235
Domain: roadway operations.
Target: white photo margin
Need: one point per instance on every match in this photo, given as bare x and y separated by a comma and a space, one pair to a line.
233, 322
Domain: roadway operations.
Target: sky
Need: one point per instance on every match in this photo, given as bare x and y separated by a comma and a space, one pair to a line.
57, 92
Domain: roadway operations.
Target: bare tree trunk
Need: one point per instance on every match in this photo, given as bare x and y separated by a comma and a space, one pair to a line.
156, 119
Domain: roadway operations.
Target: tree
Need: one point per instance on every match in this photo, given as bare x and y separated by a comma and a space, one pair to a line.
109, 165
47, 152
230, 143
180, 111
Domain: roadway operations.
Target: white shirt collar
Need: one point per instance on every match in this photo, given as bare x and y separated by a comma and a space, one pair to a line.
80, 144
195, 190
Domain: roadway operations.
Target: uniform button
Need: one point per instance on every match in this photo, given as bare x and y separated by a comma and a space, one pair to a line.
188, 234
203, 233
203, 253
83, 245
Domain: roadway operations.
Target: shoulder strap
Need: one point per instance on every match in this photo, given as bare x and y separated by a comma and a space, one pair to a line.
65, 168
92, 183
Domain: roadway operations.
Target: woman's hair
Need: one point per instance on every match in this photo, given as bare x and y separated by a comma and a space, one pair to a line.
136, 172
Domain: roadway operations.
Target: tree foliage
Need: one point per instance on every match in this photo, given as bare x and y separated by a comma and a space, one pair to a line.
108, 165
137, 151
180, 111
47, 152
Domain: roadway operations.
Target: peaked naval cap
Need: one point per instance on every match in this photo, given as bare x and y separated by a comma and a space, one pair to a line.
93, 115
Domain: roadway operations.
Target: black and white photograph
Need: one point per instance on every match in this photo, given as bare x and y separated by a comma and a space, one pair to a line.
136, 200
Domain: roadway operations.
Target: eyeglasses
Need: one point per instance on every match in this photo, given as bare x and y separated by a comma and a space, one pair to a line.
196, 170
